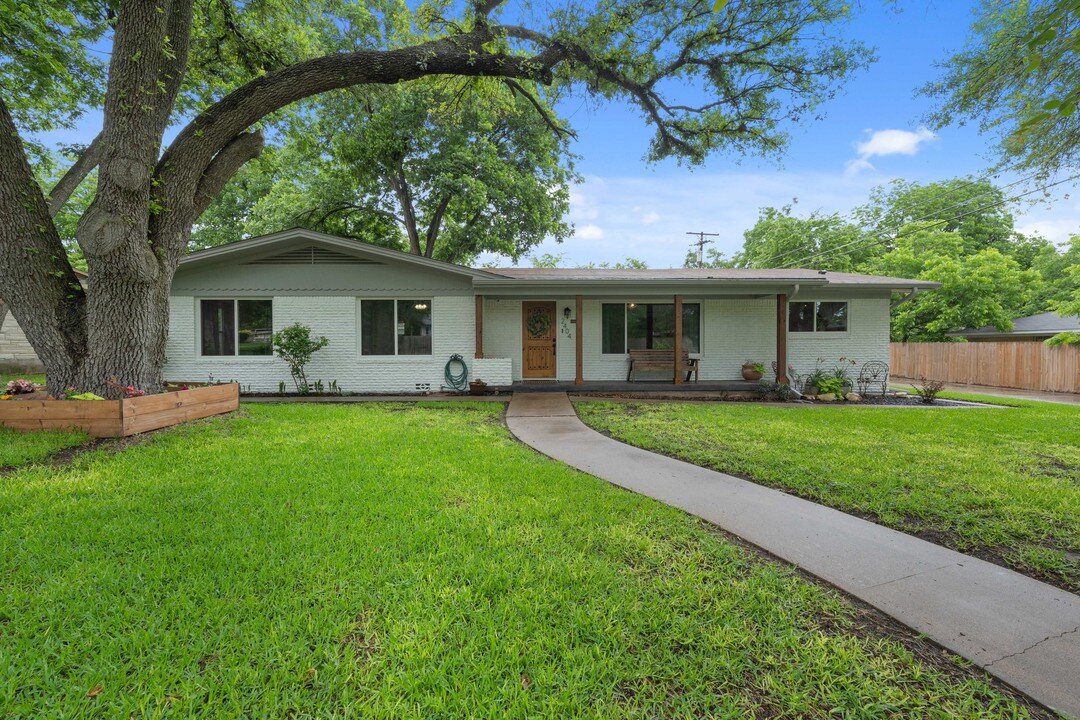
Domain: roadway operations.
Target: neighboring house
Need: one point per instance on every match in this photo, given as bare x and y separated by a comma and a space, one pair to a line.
394, 319
16, 355
1033, 328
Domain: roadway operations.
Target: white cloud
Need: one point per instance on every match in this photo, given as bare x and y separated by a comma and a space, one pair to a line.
589, 232
886, 142
650, 217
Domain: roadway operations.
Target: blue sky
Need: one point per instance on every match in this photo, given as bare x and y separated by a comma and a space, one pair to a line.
627, 208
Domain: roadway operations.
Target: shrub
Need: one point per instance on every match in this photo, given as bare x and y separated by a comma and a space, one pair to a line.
928, 390
295, 346
20, 387
772, 390
831, 385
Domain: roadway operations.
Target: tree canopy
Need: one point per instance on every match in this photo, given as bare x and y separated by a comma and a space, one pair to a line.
957, 232
440, 169
1019, 79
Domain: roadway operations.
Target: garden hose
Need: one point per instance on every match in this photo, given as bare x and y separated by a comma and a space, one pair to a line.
456, 373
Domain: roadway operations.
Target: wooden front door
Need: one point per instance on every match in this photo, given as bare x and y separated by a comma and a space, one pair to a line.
538, 339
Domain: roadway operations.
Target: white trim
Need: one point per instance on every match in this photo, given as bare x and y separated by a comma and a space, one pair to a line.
430, 300
236, 329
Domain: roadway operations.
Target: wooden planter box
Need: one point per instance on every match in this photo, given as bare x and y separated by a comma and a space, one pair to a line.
119, 418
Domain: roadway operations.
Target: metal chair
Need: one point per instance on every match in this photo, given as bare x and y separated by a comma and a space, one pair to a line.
872, 374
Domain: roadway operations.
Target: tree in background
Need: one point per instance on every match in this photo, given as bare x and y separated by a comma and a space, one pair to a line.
1019, 78
817, 241
217, 71
437, 168
957, 232
977, 289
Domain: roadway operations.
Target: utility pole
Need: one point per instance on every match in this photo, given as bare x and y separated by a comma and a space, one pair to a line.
701, 242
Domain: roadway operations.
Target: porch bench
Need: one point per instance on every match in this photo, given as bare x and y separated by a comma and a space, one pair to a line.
660, 360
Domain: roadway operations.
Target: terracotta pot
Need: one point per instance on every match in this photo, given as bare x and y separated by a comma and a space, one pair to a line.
749, 373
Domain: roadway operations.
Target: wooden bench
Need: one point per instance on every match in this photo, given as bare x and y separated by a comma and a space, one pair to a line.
660, 360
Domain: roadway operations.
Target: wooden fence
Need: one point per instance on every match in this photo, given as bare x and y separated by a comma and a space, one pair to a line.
1026, 365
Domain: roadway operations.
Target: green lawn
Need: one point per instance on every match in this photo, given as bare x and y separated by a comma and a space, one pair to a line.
1004, 483
394, 561
21, 448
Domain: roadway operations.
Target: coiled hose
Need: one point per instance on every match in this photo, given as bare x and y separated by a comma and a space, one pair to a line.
456, 373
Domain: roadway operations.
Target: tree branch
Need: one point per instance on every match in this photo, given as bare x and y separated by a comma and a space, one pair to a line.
74, 176
39, 284
517, 89
244, 147
435, 225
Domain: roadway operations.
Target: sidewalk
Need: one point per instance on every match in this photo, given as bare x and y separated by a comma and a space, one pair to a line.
1054, 397
1023, 631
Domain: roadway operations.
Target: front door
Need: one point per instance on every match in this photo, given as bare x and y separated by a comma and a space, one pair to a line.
538, 339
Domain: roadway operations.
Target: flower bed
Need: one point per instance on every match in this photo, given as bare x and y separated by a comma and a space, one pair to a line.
120, 418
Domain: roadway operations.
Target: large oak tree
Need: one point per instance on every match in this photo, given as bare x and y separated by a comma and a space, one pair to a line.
704, 81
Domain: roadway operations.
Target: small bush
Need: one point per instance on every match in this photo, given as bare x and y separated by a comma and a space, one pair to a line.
20, 387
831, 386
295, 345
770, 390
928, 390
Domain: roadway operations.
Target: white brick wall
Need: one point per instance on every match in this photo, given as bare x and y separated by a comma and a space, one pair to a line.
336, 318
733, 331
15, 351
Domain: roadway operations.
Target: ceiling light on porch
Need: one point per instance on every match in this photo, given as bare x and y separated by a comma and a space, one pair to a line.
420, 306
631, 306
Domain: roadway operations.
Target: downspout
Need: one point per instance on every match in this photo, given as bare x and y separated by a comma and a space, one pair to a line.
910, 296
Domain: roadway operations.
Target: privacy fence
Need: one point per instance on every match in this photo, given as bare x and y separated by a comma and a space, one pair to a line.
1025, 365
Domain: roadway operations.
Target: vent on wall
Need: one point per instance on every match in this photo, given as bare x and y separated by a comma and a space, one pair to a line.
312, 255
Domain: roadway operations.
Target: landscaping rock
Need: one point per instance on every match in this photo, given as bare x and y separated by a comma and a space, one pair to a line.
826, 397
853, 397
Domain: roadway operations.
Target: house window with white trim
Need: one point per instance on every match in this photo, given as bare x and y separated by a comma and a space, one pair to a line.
236, 327
818, 316
395, 327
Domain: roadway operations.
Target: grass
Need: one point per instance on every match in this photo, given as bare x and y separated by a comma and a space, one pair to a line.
1004, 483
392, 561
21, 448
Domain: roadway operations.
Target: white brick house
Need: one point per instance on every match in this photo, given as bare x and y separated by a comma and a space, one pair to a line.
394, 320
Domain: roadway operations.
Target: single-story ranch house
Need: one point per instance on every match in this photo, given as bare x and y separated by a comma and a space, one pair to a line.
393, 319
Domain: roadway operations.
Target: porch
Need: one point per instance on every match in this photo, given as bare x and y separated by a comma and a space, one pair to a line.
641, 386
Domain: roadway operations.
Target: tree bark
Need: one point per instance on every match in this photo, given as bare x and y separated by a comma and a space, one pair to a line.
38, 284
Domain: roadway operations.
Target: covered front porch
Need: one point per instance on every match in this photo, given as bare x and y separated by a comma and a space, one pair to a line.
595, 342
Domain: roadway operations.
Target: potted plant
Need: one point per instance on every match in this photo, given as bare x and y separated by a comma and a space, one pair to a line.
477, 387
753, 371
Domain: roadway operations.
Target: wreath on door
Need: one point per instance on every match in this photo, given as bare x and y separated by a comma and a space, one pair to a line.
538, 323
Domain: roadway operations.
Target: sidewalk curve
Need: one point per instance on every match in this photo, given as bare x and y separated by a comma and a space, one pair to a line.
1023, 631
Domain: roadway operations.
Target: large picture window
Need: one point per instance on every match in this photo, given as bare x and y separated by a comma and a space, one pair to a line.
236, 327
648, 326
818, 316
395, 327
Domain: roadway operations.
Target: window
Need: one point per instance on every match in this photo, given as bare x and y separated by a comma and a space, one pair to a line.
395, 327
818, 317
236, 327
648, 326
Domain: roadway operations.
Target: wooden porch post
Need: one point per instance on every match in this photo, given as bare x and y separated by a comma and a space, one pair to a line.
781, 338
678, 340
479, 327
579, 340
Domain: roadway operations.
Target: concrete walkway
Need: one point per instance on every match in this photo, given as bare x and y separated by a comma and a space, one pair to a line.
1055, 397
1023, 631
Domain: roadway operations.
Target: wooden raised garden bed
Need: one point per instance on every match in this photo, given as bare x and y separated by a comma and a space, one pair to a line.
119, 418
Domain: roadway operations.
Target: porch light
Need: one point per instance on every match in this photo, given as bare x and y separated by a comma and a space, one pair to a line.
631, 306
566, 312
420, 306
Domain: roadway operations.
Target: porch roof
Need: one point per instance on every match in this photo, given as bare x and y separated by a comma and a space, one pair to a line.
714, 279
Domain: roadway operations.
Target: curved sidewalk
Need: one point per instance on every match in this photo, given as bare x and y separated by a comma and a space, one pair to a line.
1023, 631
